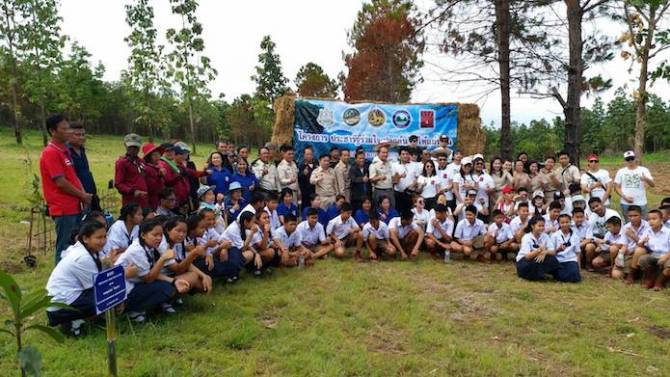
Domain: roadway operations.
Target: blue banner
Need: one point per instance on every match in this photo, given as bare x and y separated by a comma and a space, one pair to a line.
323, 124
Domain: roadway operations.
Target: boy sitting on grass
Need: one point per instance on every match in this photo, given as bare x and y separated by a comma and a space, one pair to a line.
469, 235
499, 239
377, 238
344, 232
582, 228
287, 240
406, 236
313, 235
551, 218
609, 246
634, 230
439, 230
655, 263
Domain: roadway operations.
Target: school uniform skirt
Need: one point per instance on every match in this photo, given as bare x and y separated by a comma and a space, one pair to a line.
146, 296
83, 307
534, 271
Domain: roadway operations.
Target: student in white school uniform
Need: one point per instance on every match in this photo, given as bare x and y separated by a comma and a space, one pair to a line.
582, 228
124, 230
439, 231
522, 197
421, 214
536, 256
635, 230
519, 222
214, 263
241, 252
614, 241
377, 238
406, 236
655, 263
256, 204
470, 200
262, 242
469, 234
147, 286
313, 235
286, 239
551, 218
271, 204
499, 238
344, 232
71, 281
565, 244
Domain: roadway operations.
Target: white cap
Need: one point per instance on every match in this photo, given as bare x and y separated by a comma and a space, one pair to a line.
539, 193
628, 154
466, 160
478, 155
578, 198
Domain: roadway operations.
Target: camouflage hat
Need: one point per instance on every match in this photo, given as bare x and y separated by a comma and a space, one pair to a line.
132, 140
183, 146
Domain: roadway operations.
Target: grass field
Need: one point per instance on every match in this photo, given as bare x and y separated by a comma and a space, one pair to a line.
345, 319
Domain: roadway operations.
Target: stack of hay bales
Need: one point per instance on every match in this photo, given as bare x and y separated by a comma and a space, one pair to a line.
471, 138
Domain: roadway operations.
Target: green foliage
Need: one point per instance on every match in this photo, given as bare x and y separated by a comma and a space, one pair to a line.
312, 81
269, 78
22, 308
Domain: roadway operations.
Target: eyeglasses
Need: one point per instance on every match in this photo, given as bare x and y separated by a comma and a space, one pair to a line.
594, 161
442, 159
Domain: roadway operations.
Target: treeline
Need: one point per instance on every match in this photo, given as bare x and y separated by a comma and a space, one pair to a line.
606, 128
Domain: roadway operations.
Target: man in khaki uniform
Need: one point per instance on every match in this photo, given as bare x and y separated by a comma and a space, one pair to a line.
569, 173
342, 175
381, 176
287, 171
266, 173
323, 178
550, 178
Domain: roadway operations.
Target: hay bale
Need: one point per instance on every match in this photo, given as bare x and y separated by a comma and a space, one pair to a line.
471, 137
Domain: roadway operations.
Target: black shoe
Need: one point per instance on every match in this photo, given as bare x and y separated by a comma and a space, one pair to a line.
257, 273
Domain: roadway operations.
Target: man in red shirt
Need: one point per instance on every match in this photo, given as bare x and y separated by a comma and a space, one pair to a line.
62, 189
130, 174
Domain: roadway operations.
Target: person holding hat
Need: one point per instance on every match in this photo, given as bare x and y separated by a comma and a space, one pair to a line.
596, 181
443, 148
154, 173
130, 174
631, 182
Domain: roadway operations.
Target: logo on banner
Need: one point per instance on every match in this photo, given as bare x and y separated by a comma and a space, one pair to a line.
427, 118
376, 117
325, 118
351, 117
401, 119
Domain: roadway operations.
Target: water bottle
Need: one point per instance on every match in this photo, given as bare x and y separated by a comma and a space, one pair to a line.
447, 256
301, 262
620, 259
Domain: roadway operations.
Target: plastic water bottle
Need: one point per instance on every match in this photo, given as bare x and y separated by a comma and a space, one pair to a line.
620, 259
301, 262
447, 256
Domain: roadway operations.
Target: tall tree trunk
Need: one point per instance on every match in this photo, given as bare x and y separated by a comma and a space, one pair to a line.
190, 120
15, 78
572, 108
642, 96
502, 39
43, 120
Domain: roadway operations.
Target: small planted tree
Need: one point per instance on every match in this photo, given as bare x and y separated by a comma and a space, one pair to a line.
22, 308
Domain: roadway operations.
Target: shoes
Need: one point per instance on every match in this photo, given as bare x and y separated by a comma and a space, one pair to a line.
137, 317
168, 309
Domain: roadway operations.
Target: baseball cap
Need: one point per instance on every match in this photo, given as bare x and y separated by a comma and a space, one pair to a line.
472, 192
539, 193
478, 156
506, 189
592, 156
179, 150
413, 138
466, 160
235, 185
183, 146
629, 154
202, 190
444, 137
578, 198
132, 140
559, 195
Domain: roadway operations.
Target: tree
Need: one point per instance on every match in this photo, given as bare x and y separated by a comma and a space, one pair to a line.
9, 31
388, 42
311, 81
41, 50
644, 41
270, 81
189, 67
145, 70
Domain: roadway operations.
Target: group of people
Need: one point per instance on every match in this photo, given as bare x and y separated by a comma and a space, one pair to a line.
181, 229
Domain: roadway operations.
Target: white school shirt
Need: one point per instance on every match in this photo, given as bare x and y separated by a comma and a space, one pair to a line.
447, 226
233, 235
142, 258
210, 234
640, 232
466, 231
290, 241
72, 275
403, 231
453, 169
421, 218
614, 239
659, 242
666, 224
445, 181
179, 250
461, 215
274, 218
502, 234
531, 207
311, 236
570, 253
515, 224
598, 222
340, 228
632, 184
529, 243
603, 176
431, 186
550, 226
485, 183
584, 231
458, 178
410, 175
382, 233
118, 237
247, 208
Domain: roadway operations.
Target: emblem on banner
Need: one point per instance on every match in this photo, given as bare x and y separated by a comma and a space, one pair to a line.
427, 118
376, 117
401, 119
351, 116
325, 118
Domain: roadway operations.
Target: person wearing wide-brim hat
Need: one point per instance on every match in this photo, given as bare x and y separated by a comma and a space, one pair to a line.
130, 173
154, 173
234, 202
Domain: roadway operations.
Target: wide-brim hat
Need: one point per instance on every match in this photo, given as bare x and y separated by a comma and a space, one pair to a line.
203, 189
148, 149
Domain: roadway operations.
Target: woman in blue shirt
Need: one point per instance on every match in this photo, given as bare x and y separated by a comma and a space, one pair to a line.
286, 205
246, 178
362, 215
220, 173
315, 202
385, 211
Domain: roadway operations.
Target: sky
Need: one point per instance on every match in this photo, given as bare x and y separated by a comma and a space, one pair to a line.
304, 31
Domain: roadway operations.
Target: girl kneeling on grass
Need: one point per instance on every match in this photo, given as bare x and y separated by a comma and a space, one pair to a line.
261, 241
240, 234
536, 257
565, 243
147, 286
71, 282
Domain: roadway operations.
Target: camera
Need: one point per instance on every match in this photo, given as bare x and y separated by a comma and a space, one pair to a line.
567, 244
